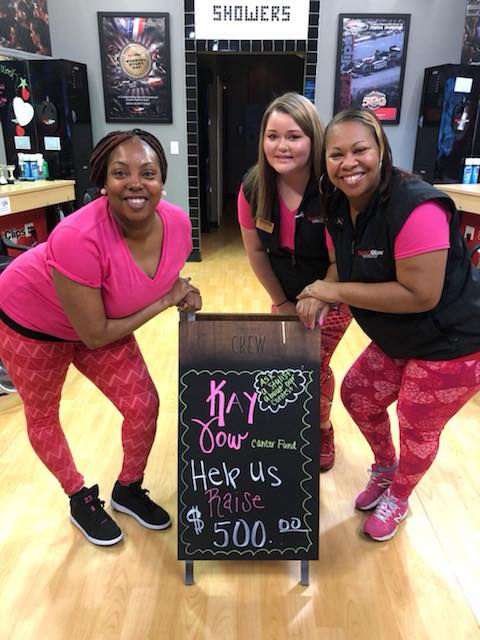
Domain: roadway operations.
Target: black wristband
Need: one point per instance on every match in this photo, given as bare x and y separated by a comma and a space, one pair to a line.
282, 303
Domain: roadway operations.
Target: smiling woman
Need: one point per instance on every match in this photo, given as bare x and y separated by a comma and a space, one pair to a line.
281, 221
403, 267
353, 163
77, 299
134, 180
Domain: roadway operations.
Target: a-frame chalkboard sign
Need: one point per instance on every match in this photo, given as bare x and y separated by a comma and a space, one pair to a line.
248, 442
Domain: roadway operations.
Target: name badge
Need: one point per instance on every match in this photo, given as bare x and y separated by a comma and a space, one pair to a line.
265, 225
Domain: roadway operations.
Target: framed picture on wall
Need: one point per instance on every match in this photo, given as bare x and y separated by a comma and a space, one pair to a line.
371, 57
471, 35
135, 57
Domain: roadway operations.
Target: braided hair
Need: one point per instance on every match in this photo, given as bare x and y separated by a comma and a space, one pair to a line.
103, 149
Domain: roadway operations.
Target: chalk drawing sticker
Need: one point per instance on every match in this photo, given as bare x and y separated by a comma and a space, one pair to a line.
278, 387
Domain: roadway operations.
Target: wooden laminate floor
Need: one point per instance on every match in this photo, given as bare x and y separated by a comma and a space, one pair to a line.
424, 584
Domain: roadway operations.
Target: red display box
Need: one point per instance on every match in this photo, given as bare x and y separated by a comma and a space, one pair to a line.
25, 228
470, 228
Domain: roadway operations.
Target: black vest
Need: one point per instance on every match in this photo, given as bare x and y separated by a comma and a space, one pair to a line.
309, 261
366, 254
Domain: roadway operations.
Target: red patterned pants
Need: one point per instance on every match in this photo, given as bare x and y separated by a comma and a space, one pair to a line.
428, 392
333, 328
38, 370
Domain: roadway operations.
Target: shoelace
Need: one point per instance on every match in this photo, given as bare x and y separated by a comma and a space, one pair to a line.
373, 476
387, 507
386, 482
94, 504
143, 496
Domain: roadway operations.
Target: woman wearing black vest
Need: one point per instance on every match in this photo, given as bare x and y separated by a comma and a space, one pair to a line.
402, 266
283, 231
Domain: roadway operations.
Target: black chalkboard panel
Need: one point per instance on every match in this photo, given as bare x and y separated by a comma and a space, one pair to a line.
248, 451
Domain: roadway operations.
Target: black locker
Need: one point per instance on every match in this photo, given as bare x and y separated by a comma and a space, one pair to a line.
448, 126
60, 129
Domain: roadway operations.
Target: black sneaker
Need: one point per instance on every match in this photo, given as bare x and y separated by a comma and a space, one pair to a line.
134, 501
88, 514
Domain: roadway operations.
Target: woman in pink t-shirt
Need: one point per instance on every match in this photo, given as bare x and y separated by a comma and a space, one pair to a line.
77, 299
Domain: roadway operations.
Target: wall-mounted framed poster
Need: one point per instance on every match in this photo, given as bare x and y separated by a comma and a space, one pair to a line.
371, 55
135, 57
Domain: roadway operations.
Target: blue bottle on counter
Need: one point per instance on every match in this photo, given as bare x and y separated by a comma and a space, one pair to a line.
475, 171
34, 169
468, 171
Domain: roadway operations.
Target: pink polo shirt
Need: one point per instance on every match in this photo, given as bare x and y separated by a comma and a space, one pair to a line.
287, 220
89, 248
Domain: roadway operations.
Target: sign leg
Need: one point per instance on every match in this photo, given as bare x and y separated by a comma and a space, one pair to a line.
188, 572
304, 570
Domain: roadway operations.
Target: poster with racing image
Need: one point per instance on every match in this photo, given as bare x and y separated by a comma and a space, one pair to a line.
135, 56
371, 57
471, 35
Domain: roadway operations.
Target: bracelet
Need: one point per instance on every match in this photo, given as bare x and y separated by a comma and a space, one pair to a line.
282, 303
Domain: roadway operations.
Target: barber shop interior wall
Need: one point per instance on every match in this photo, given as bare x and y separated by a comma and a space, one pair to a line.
74, 35
436, 34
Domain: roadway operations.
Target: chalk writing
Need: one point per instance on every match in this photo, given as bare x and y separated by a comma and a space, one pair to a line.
194, 516
276, 388
245, 480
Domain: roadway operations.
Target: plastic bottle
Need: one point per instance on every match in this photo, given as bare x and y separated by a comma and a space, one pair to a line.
467, 171
39, 160
475, 171
34, 166
21, 166
27, 172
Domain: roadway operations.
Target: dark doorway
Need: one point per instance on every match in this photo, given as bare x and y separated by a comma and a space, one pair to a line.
233, 91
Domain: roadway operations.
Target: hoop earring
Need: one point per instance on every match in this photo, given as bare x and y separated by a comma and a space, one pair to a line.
320, 184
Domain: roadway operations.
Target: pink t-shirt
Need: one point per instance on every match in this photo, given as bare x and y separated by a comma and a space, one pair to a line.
89, 248
426, 229
287, 220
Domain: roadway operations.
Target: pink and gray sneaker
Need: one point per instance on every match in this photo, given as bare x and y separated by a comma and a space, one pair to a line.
380, 479
384, 521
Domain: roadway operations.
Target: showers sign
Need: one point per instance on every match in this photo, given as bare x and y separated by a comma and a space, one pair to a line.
251, 20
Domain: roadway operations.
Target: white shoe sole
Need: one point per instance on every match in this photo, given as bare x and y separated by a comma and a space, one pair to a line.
97, 541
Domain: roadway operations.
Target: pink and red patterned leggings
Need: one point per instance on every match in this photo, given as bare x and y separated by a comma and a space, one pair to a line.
38, 370
333, 328
429, 393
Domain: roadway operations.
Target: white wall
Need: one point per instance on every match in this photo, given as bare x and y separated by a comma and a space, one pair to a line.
436, 33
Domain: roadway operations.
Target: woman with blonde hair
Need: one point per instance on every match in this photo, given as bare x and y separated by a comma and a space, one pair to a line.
283, 231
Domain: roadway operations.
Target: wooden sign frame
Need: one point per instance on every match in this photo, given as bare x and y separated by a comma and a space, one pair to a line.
248, 442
